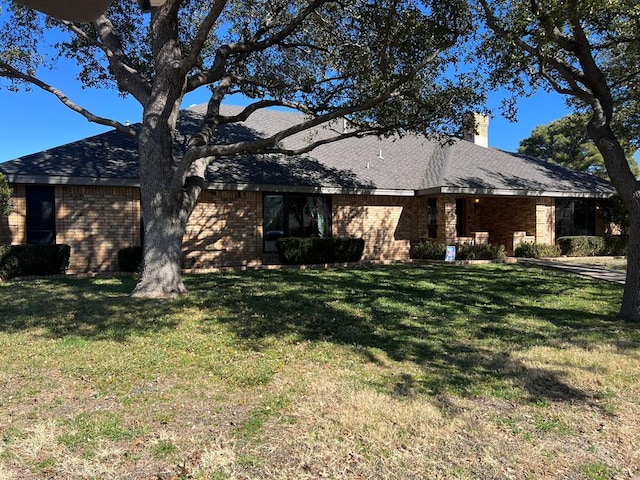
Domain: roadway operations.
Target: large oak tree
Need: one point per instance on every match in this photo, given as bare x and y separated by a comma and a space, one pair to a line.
380, 64
589, 51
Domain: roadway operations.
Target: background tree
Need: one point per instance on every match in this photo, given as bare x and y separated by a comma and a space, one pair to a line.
590, 52
378, 64
566, 142
5, 197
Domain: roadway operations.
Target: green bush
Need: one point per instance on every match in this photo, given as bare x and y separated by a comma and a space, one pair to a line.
581, 246
428, 251
301, 251
536, 250
130, 259
437, 251
26, 260
481, 252
616, 245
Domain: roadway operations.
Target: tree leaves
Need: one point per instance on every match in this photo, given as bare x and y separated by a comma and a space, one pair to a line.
565, 141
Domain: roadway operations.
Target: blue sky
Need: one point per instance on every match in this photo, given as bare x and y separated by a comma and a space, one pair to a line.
34, 120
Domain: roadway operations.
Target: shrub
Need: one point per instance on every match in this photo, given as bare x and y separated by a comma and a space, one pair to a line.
436, 251
428, 251
130, 259
300, 251
24, 260
615, 245
536, 250
481, 252
581, 246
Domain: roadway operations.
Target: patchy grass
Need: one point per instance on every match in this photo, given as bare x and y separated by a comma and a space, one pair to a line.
438, 371
610, 263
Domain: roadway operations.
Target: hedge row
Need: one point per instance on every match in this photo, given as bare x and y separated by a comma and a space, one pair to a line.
537, 250
590, 245
437, 251
25, 260
301, 251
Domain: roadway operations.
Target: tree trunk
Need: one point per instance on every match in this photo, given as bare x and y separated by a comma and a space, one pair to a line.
162, 255
162, 252
629, 189
630, 309
164, 219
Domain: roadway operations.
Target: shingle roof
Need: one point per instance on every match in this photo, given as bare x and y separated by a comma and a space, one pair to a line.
407, 165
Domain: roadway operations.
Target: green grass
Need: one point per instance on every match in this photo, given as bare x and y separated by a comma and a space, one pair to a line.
363, 371
598, 471
85, 430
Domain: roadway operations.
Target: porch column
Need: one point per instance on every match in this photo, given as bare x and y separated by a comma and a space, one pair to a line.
545, 221
447, 220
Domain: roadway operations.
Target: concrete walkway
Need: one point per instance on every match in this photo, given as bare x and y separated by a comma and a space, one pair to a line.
588, 270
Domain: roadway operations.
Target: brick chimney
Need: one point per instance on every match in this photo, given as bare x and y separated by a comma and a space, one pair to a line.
475, 128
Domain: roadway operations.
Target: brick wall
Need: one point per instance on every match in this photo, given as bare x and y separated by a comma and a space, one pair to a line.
12, 228
545, 221
387, 224
226, 226
446, 218
224, 229
97, 222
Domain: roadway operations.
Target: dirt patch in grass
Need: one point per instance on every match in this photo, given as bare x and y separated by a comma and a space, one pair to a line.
470, 372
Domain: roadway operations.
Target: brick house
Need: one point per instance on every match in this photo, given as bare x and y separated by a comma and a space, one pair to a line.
391, 192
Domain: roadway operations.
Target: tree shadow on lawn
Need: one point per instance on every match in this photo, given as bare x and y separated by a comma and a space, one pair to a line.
459, 324
96, 309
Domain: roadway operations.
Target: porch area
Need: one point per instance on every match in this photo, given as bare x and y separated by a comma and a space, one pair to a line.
478, 220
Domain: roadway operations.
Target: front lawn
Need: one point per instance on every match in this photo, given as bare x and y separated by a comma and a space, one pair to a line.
391, 372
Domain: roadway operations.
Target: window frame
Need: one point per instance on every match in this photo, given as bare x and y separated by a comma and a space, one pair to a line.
575, 217
40, 221
269, 237
432, 218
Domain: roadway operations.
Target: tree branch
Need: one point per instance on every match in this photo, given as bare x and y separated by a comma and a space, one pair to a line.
568, 72
8, 71
127, 77
225, 51
267, 144
203, 32
598, 83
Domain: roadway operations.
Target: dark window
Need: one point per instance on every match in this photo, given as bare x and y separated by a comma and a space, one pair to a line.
432, 218
461, 217
41, 215
575, 216
295, 215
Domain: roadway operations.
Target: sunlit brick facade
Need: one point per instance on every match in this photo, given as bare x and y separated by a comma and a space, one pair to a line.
226, 227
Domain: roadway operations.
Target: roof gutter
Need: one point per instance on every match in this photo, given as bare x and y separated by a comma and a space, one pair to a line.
523, 192
356, 190
74, 181
218, 186
361, 190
